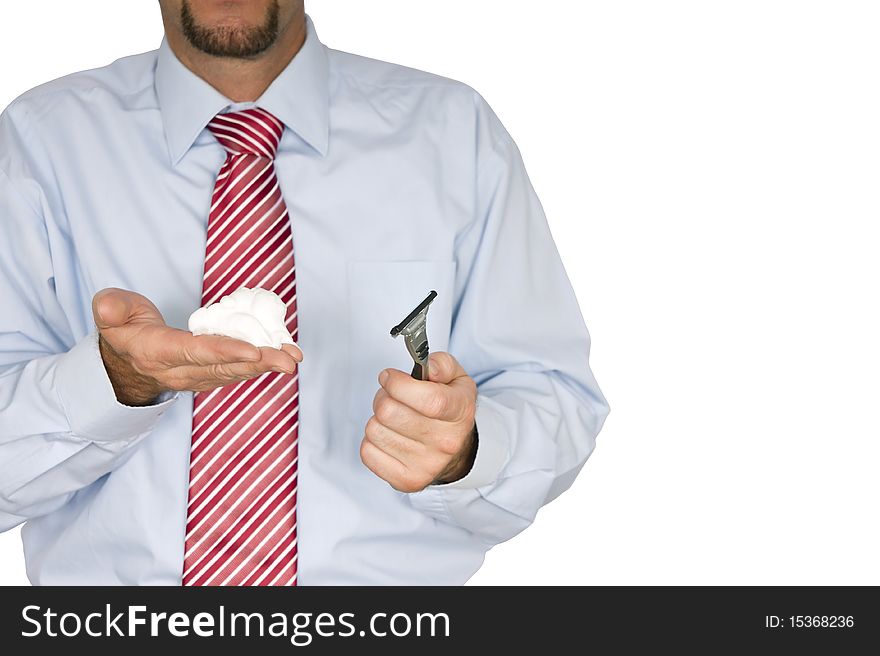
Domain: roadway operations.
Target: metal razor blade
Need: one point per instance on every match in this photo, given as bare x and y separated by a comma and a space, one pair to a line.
414, 329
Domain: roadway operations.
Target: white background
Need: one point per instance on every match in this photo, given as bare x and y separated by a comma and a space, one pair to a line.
710, 173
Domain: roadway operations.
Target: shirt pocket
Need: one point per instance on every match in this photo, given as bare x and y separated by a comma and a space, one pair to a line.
380, 295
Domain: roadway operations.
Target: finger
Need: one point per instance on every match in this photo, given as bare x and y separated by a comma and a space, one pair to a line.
180, 348
113, 307
393, 443
400, 418
293, 350
388, 468
271, 359
444, 368
202, 379
434, 400
277, 359
199, 379
380, 394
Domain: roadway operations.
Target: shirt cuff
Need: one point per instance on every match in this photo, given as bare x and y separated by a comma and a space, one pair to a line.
89, 402
492, 451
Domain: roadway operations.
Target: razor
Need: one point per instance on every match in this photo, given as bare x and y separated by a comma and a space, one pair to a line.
415, 333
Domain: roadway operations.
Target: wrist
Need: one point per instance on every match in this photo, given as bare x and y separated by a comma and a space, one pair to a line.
131, 387
459, 466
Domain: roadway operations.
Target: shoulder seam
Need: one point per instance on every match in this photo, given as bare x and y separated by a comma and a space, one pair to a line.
37, 93
448, 83
438, 81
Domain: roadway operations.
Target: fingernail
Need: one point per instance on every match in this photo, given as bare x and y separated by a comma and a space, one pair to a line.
282, 370
383, 376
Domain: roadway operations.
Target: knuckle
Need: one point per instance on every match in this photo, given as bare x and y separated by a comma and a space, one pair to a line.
365, 451
252, 370
377, 397
368, 457
406, 483
449, 445
443, 361
469, 416
372, 427
385, 411
413, 481
437, 405
472, 386
390, 384
462, 410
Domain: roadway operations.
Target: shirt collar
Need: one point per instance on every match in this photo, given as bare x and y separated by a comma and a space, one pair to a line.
299, 97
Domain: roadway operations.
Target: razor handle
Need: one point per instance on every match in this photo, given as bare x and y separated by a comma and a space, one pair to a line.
419, 352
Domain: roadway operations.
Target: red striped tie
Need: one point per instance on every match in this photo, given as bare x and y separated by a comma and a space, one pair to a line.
241, 516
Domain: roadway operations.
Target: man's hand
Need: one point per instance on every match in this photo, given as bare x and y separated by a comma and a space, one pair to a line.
144, 357
422, 432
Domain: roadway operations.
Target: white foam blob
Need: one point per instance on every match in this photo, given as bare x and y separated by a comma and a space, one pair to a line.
252, 315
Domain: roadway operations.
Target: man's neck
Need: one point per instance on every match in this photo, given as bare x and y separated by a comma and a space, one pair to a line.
241, 80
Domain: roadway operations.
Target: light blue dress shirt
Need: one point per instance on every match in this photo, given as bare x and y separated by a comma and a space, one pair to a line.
398, 182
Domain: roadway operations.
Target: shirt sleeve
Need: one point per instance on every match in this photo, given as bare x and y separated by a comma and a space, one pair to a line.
61, 427
518, 331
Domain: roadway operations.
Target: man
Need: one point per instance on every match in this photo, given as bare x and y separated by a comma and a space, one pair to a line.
244, 153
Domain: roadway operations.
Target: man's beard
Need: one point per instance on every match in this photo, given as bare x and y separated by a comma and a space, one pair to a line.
231, 41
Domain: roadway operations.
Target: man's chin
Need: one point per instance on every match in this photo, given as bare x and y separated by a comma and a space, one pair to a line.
231, 36
222, 44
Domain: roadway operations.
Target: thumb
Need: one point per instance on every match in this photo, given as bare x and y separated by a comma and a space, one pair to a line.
443, 368
113, 307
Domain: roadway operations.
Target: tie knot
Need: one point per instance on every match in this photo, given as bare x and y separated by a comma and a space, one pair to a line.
251, 131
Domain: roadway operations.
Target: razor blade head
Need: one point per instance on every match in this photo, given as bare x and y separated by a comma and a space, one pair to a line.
414, 329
